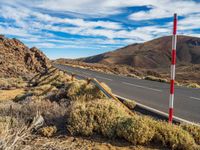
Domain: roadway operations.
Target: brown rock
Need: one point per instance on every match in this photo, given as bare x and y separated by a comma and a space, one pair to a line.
16, 59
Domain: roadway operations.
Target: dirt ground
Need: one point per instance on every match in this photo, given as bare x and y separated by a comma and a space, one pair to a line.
84, 143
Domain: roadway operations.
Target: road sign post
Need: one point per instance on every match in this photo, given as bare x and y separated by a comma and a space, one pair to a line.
173, 64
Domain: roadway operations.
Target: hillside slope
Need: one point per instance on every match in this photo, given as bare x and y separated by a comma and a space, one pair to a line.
16, 59
152, 54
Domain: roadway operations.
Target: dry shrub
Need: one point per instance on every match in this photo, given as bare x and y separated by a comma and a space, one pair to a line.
134, 76
48, 131
193, 130
53, 76
152, 78
7, 83
129, 103
100, 116
43, 89
193, 85
57, 77
80, 88
135, 130
106, 117
173, 136
16, 136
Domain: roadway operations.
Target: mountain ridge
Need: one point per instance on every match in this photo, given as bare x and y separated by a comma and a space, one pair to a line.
152, 54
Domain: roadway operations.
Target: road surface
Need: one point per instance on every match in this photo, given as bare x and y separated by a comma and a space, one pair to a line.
149, 93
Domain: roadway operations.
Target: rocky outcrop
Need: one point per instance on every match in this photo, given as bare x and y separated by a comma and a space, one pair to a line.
16, 59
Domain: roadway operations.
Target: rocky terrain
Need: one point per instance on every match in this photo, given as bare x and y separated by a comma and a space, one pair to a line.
16, 59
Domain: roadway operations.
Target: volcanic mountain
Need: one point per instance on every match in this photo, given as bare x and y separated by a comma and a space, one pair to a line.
152, 54
16, 59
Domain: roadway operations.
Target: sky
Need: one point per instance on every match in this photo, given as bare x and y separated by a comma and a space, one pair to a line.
81, 28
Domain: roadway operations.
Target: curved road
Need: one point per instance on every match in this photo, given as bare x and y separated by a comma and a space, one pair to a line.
149, 93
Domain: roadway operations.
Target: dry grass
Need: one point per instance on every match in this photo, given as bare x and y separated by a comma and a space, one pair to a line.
53, 76
10, 94
8, 83
48, 131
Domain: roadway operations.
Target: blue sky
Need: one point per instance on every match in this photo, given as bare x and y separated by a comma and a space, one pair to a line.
80, 28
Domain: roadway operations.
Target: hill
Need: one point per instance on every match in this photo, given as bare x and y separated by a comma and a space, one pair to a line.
16, 59
152, 54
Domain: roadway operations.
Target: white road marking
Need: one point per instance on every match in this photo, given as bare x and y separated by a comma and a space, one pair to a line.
104, 78
144, 87
195, 98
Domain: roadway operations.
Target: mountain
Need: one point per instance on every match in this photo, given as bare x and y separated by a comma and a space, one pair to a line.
152, 54
16, 59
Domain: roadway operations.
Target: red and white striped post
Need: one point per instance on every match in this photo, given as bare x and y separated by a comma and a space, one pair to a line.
173, 64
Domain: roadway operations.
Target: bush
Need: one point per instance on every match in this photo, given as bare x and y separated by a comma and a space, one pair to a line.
43, 89
135, 130
111, 120
53, 77
129, 103
193, 130
173, 136
100, 116
80, 88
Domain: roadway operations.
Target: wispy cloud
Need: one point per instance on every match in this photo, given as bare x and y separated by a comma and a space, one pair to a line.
91, 24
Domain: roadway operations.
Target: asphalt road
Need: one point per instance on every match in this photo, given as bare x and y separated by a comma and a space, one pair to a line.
149, 93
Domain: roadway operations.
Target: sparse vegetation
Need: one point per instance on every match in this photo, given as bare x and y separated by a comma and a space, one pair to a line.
82, 109
193, 85
10, 83
159, 75
153, 78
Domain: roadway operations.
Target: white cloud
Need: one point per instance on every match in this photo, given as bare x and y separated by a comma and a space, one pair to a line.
166, 8
32, 24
